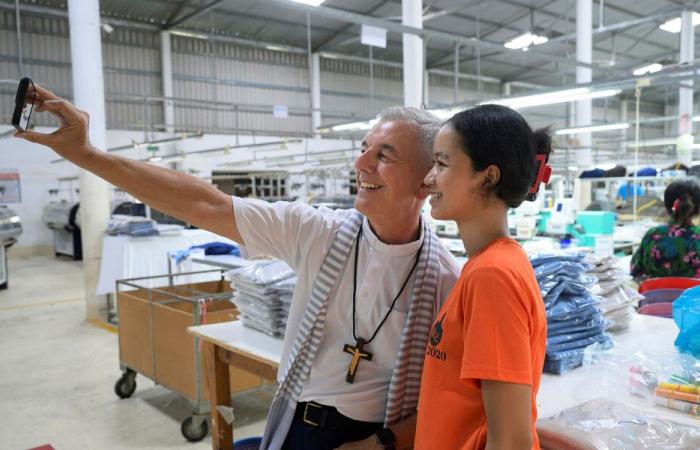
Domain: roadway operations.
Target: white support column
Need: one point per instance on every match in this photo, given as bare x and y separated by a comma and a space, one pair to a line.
315, 94
166, 63
88, 95
623, 118
584, 53
685, 91
413, 61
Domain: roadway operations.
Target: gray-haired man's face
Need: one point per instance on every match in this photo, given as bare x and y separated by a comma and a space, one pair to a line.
390, 171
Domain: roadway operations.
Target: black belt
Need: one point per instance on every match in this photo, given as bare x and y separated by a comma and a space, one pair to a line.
322, 416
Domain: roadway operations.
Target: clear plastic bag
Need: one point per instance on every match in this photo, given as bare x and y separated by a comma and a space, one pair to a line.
540, 258
602, 424
569, 306
558, 266
263, 272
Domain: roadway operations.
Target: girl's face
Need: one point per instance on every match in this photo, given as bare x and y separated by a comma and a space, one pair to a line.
457, 190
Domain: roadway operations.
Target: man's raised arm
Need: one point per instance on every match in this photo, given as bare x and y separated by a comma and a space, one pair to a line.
174, 193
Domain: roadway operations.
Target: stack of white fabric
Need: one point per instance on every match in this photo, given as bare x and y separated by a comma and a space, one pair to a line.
261, 294
619, 301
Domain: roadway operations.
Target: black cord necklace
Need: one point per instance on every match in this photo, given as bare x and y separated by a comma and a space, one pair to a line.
357, 350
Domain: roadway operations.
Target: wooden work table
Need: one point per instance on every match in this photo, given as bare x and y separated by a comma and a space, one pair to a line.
230, 344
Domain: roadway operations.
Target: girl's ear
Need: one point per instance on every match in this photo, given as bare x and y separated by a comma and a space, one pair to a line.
492, 175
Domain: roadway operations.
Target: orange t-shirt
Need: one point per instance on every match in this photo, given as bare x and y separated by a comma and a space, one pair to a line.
492, 327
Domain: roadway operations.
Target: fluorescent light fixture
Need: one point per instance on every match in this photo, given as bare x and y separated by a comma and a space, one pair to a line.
275, 48
524, 41
364, 125
651, 68
309, 2
155, 159
189, 34
653, 142
593, 128
551, 98
696, 119
674, 25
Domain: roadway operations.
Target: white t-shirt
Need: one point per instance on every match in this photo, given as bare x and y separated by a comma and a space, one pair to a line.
301, 235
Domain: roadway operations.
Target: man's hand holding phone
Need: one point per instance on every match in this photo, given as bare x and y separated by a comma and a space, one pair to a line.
71, 140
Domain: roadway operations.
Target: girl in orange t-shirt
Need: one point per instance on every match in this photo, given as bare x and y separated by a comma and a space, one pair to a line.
485, 354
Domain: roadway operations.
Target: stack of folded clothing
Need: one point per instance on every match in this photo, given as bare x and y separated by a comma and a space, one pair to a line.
574, 319
261, 295
131, 226
619, 301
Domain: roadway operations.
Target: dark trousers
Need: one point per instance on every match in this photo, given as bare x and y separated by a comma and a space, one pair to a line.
319, 427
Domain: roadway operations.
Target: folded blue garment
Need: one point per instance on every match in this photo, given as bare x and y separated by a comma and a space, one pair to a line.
210, 248
554, 267
568, 306
575, 335
581, 343
576, 324
541, 258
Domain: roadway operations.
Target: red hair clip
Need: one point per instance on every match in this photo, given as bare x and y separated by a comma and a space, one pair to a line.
544, 172
675, 206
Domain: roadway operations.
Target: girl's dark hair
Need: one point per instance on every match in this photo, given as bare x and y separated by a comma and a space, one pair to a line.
497, 135
687, 192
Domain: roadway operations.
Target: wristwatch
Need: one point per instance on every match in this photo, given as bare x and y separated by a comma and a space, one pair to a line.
386, 439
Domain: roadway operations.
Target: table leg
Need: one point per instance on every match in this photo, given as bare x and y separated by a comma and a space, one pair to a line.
219, 394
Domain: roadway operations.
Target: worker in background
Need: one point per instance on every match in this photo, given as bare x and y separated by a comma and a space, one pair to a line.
672, 250
486, 352
370, 279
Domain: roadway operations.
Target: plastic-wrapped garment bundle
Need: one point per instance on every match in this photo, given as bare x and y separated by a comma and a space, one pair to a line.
569, 306
556, 266
244, 301
600, 264
565, 285
561, 361
597, 324
602, 424
275, 330
600, 338
264, 273
285, 286
538, 259
131, 225
590, 316
270, 298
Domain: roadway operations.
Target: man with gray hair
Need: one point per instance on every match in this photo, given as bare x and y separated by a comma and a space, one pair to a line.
370, 279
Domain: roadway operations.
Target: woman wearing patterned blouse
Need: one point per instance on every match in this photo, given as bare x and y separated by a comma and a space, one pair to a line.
672, 250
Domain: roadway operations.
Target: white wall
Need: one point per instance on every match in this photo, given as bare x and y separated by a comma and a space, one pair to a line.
37, 176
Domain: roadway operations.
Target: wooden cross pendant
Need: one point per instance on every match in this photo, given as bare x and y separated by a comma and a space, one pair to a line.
357, 353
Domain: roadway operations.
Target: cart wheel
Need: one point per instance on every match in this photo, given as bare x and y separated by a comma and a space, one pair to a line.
193, 433
125, 385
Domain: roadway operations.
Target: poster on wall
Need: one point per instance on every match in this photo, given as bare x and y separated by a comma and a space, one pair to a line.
10, 191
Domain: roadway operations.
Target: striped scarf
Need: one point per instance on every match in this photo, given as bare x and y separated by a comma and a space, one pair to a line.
405, 379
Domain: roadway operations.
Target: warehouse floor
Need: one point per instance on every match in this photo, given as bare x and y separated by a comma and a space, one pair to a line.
57, 374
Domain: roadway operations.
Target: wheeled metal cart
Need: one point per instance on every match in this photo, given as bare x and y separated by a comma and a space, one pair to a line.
153, 339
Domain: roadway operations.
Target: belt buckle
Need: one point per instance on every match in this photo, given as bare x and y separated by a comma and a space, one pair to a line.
306, 410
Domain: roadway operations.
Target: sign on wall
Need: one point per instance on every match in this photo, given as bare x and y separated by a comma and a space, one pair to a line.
10, 191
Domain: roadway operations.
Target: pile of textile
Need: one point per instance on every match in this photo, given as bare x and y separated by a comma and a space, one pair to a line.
574, 318
618, 301
602, 424
262, 294
131, 225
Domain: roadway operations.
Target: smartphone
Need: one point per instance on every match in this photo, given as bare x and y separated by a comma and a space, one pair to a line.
23, 110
